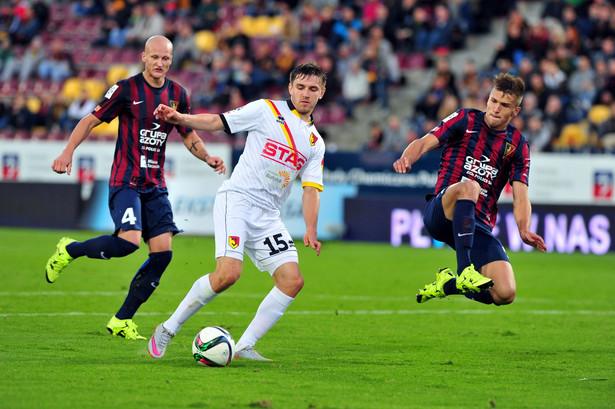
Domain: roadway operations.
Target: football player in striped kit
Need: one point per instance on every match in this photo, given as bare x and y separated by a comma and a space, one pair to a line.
138, 198
481, 152
282, 145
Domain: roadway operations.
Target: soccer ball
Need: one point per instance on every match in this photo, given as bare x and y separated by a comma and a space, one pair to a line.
213, 346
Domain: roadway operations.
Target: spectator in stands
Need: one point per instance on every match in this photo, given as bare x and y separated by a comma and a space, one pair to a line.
582, 89
537, 86
538, 135
450, 103
58, 65
148, 21
50, 111
554, 116
285, 59
6, 51
309, 24
20, 117
28, 21
325, 29
84, 8
355, 87
115, 26
342, 26
440, 34
77, 109
376, 138
553, 9
5, 115
554, 78
185, 50
515, 45
395, 134
206, 14
606, 131
27, 64
400, 21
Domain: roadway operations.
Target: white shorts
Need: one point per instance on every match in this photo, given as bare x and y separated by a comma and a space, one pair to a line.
241, 226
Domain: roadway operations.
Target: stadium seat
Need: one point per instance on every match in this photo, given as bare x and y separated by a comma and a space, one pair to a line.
34, 104
206, 41
95, 87
72, 88
117, 72
598, 114
573, 136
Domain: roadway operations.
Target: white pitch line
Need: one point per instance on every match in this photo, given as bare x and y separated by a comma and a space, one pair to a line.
337, 312
518, 300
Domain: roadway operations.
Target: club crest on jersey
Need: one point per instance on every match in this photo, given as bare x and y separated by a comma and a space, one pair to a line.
509, 149
233, 241
313, 139
173, 104
280, 119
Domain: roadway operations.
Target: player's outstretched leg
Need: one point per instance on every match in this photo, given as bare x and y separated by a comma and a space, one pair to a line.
123, 328
159, 341
436, 289
59, 260
472, 280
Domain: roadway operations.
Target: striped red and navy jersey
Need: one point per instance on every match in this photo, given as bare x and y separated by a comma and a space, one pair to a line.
139, 151
471, 150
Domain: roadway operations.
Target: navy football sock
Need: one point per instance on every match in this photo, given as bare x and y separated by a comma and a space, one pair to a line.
103, 247
450, 287
483, 296
463, 231
144, 283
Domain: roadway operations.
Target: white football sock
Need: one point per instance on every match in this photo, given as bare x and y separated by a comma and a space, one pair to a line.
200, 294
269, 312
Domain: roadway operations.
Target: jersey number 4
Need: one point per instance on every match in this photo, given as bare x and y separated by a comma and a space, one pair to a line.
129, 216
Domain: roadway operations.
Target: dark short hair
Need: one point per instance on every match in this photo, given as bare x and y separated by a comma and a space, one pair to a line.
510, 84
309, 69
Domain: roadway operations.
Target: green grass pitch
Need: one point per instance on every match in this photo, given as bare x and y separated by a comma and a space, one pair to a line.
354, 337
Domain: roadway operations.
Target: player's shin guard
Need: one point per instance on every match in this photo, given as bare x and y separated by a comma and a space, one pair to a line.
463, 231
144, 283
269, 312
483, 296
103, 247
200, 294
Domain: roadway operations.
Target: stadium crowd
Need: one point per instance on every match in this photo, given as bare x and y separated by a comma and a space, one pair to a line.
57, 58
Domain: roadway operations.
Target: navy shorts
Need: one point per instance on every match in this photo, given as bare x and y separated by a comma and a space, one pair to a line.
486, 247
148, 211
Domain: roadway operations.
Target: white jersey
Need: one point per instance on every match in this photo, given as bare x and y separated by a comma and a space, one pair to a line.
279, 148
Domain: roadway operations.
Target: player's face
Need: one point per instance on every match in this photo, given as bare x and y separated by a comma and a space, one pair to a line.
501, 109
305, 93
157, 58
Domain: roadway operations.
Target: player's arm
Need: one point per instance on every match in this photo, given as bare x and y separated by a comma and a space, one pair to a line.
522, 210
196, 146
64, 162
414, 151
203, 122
311, 204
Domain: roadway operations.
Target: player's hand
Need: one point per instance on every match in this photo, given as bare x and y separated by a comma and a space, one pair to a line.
534, 240
402, 165
217, 164
309, 239
63, 163
167, 114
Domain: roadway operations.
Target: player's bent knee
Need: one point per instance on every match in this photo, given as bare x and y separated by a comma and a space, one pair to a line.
470, 188
504, 297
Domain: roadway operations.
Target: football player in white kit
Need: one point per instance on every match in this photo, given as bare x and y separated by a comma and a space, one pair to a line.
282, 145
